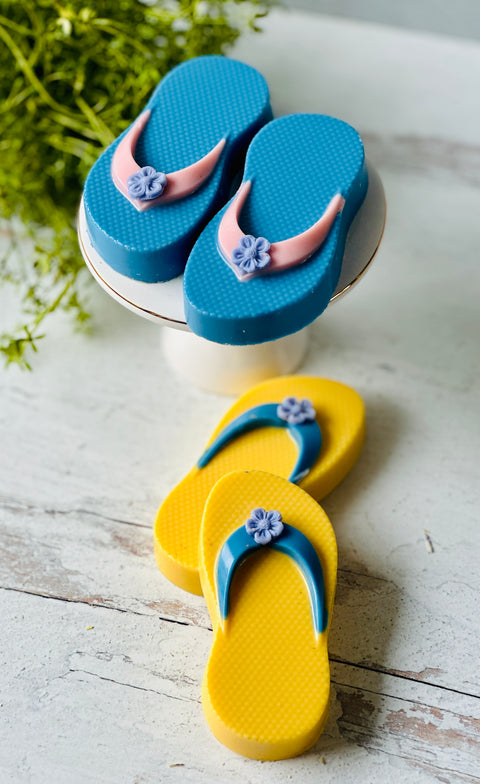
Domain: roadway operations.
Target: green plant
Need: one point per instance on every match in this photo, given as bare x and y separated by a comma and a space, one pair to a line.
64, 66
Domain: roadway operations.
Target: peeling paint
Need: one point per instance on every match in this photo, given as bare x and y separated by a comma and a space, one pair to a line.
181, 613
355, 707
412, 723
424, 675
140, 549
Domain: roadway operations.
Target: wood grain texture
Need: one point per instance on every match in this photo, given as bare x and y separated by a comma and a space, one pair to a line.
101, 659
92, 690
81, 557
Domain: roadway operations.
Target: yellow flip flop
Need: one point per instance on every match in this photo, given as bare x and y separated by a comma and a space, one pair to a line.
266, 429
268, 563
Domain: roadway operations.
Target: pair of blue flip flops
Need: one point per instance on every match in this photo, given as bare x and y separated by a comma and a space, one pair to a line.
259, 263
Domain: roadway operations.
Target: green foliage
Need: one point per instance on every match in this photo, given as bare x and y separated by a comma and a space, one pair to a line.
73, 76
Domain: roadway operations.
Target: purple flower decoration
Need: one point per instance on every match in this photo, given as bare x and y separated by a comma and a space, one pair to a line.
146, 184
264, 526
251, 253
295, 411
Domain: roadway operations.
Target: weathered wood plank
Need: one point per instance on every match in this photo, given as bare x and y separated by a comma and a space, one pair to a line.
432, 727
89, 694
93, 440
85, 558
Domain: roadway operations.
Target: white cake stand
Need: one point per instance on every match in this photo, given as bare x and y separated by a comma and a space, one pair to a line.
231, 369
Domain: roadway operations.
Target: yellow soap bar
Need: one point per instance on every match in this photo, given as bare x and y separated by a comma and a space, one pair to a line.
341, 416
266, 686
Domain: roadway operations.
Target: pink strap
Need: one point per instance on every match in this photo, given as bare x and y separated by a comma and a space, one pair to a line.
179, 183
284, 254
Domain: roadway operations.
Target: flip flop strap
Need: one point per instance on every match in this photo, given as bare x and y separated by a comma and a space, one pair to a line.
275, 256
178, 184
307, 436
292, 542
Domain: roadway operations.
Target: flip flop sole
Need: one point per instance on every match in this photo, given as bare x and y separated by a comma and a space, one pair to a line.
341, 416
266, 686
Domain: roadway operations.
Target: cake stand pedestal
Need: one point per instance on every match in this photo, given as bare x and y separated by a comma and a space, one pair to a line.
232, 369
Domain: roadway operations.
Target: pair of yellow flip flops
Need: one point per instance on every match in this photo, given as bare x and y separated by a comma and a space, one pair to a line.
263, 553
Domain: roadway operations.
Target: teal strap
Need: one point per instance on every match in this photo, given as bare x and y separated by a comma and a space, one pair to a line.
291, 542
307, 436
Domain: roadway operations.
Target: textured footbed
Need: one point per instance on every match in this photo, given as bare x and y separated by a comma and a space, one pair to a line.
296, 164
197, 104
341, 417
266, 686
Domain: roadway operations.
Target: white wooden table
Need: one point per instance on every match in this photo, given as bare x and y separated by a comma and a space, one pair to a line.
101, 659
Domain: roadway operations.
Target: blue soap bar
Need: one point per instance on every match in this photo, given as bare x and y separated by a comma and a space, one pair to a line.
296, 165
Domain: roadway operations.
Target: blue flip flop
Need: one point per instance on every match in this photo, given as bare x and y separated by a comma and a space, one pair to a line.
152, 191
268, 263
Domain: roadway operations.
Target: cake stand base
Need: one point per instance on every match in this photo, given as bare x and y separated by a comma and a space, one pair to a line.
230, 370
